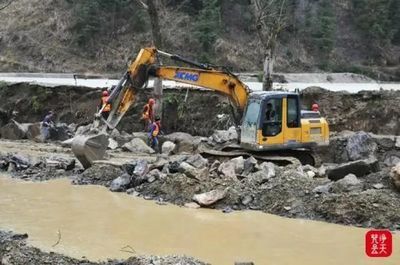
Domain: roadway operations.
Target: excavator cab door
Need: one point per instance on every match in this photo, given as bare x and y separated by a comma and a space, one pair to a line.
250, 122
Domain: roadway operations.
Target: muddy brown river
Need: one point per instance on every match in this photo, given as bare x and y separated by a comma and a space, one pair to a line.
98, 224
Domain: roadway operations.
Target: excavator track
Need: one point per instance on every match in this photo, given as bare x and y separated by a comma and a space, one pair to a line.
280, 158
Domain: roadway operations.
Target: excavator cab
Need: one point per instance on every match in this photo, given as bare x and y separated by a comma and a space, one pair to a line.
272, 121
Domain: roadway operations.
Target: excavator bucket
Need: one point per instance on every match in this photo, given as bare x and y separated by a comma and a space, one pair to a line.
88, 148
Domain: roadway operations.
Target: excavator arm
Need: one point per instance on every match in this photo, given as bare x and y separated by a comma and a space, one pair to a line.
123, 96
144, 66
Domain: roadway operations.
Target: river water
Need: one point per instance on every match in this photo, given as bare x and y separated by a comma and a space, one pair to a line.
98, 224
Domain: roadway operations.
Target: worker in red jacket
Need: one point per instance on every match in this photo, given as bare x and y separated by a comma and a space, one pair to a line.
148, 114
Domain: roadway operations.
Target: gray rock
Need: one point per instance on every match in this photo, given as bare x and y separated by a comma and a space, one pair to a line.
154, 175
215, 165
311, 174
378, 186
249, 165
397, 144
112, 144
137, 146
141, 168
192, 172
395, 176
247, 200
209, 198
191, 205
33, 131
323, 189
121, 183
197, 161
349, 183
13, 131
168, 147
268, 168
61, 162
360, 145
391, 161
360, 168
60, 132
228, 169
239, 164
184, 141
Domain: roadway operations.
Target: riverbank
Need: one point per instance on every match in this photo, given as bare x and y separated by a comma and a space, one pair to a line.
15, 250
353, 186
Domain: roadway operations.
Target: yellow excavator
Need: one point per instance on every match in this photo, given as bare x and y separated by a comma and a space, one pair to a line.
270, 123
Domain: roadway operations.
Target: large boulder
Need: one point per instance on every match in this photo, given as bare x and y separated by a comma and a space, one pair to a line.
209, 198
14, 131
33, 131
395, 176
360, 146
359, 168
137, 146
184, 141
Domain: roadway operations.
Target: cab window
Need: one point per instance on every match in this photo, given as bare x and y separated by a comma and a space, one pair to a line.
272, 117
293, 120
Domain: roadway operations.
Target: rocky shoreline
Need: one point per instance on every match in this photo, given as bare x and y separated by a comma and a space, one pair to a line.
15, 250
358, 183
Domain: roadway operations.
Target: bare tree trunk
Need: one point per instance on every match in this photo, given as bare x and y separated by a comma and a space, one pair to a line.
157, 41
268, 70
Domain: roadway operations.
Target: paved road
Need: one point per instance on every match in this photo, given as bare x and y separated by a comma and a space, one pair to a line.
69, 79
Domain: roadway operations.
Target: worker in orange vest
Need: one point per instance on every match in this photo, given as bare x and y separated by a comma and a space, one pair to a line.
154, 131
148, 113
104, 106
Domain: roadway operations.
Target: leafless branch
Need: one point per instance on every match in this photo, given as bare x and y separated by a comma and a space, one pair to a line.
59, 238
128, 249
143, 4
4, 7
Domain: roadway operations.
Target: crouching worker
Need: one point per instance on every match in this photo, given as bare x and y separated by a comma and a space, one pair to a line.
154, 131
